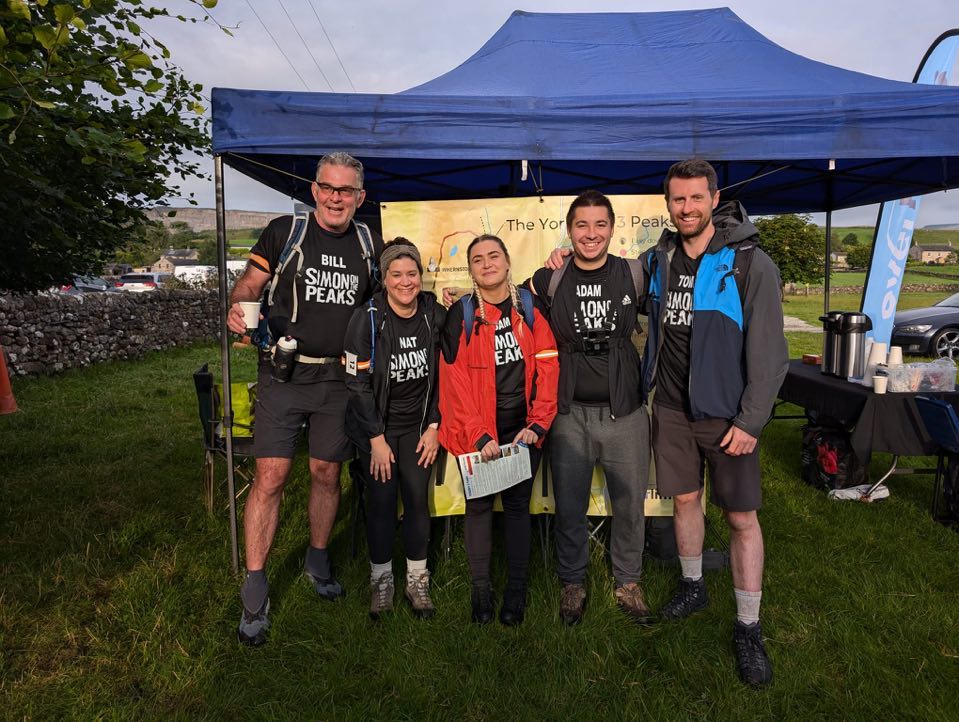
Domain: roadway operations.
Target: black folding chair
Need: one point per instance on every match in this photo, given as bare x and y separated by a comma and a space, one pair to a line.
942, 424
214, 444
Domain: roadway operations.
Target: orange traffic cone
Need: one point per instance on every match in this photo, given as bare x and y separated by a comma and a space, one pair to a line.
8, 404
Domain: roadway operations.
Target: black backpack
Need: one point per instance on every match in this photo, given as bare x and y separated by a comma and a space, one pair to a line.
827, 458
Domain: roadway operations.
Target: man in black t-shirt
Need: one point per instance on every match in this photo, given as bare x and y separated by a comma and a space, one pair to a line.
716, 356
601, 418
312, 301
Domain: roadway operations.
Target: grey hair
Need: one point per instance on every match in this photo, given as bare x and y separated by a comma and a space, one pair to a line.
343, 159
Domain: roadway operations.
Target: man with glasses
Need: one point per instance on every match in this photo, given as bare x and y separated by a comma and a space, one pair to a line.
312, 297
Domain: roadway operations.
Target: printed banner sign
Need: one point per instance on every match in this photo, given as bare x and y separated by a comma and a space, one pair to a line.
530, 228
897, 219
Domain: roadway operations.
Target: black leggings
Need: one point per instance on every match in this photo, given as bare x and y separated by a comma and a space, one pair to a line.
412, 483
478, 528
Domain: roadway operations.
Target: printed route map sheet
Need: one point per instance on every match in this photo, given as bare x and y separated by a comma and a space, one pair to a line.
481, 478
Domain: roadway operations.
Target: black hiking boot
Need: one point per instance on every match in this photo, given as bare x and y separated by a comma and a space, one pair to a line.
482, 601
513, 610
752, 662
690, 597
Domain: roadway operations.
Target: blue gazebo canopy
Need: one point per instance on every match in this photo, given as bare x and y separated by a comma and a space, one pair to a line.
609, 101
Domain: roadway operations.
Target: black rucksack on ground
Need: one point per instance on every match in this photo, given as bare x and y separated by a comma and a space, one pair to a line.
828, 460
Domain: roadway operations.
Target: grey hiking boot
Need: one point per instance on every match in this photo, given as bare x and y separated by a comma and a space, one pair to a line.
418, 594
690, 597
254, 626
381, 601
328, 589
572, 601
629, 598
752, 662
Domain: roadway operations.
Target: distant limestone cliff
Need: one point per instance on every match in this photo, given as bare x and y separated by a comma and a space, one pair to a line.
204, 219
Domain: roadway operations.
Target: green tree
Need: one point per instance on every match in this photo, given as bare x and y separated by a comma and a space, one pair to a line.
181, 235
94, 118
797, 246
144, 244
850, 239
208, 253
859, 256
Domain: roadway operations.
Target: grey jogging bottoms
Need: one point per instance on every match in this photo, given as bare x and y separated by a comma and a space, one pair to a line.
587, 435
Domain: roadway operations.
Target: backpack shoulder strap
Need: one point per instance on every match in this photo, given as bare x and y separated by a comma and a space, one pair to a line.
636, 271
366, 248
371, 309
741, 263
526, 300
301, 220
555, 278
469, 315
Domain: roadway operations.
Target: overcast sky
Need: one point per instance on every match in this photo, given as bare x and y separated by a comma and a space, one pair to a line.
390, 45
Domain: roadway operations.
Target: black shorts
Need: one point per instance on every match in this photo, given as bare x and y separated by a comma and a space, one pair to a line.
282, 409
682, 450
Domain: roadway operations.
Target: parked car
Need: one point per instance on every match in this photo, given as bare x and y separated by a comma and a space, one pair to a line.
86, 284
141, 282
930, 331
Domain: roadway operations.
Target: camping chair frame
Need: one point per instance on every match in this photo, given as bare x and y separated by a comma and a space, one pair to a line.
214, 444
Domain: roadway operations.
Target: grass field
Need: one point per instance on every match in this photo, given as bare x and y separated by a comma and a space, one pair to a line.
922, 275
810, 308
118, 602
864, 234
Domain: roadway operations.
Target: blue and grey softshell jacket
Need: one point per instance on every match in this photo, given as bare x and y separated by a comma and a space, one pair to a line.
737, 349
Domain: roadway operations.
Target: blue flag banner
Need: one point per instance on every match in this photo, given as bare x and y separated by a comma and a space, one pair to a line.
897, 219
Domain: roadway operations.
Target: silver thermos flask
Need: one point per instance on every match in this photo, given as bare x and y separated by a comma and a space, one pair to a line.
830, 342
852, 344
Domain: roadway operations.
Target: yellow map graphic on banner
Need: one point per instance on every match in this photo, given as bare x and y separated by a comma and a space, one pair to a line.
530, 227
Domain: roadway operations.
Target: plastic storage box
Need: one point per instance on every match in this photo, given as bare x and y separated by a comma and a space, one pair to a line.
940, 375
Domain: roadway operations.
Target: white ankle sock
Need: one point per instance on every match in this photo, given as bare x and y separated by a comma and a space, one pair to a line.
414, 568
747, 606
380, 570
692, 567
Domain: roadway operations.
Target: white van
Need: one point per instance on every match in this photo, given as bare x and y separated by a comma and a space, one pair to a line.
141, 282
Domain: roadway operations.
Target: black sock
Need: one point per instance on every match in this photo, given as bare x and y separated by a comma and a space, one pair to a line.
317, 563
254, 591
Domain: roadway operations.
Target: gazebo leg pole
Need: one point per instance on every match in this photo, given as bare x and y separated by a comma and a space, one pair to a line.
825, 295
225, 353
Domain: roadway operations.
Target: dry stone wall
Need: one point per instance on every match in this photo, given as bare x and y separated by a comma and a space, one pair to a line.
50, 333
794, 289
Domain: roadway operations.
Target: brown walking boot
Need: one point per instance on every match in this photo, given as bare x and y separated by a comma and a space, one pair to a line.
381, 601
629, 598
418, 594
572, 600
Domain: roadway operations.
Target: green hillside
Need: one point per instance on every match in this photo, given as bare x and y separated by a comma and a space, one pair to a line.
920, 236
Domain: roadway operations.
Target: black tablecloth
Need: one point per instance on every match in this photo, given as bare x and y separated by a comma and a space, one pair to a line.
877, 422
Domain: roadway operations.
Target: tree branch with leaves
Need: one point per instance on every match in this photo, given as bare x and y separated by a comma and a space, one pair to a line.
94, 119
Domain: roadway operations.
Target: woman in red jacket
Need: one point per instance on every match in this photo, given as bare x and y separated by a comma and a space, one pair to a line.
497, 386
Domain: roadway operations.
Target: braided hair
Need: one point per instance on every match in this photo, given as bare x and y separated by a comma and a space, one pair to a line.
513, 290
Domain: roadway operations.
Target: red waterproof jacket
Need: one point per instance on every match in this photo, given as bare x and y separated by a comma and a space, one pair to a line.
468, 385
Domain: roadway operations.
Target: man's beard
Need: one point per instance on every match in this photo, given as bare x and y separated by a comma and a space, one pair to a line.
703, 224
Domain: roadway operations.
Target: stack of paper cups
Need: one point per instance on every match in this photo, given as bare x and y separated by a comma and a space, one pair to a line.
877, 355
895, 356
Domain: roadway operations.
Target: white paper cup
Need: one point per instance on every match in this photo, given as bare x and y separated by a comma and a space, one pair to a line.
895, 356
251, 313
879, 384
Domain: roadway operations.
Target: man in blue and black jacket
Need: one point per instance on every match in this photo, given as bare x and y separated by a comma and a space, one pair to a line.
716, 356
